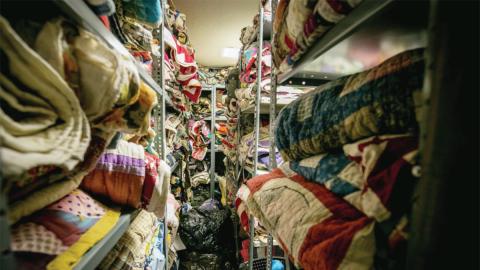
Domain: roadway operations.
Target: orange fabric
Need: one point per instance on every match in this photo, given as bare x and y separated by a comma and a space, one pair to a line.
121, 188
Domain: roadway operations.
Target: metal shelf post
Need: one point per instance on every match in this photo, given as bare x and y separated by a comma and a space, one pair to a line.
256, 126
160, 139
212, 142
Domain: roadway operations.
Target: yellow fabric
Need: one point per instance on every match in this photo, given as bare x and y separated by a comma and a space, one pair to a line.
72, 255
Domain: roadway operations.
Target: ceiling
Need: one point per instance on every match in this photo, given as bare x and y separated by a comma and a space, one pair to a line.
214, 25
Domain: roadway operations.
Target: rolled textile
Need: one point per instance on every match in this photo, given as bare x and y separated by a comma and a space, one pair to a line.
42, 122
102, 78
376, 101
328, 220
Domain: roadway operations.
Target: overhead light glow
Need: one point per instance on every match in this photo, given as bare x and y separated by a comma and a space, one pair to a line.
230, 52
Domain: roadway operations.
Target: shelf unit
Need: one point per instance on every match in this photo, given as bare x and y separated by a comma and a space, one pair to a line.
82, 15
97, 253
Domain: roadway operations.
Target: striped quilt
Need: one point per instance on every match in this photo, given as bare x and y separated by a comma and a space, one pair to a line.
373, 102
323, 210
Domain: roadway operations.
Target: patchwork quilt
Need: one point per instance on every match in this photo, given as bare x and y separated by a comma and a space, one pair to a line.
323, 210
376, 101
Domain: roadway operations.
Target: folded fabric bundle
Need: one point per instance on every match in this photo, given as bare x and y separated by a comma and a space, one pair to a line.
155, 258
249, 63
376, 101
201, 178
119, 174
298, 24
203, 106
328, 220
248, 35
104, 80
146, 11
183, 58
33, 130
213, 76
130, 250
102, 7
199, 138
58, 235
138, 37
155, 187
129, 176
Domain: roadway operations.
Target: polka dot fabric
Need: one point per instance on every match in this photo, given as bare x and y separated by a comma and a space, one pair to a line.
79, 203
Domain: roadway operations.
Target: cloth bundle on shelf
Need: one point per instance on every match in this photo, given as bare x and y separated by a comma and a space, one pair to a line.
246, 150
183, 59
54, 133
130, 252
200, 137
58, 235
146, 11
330, 203
203, 107
298, 24
81, 64
129, 176
249, 63
212, 76
376, 101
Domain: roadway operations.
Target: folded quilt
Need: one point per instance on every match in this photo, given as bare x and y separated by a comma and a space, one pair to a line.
186, 68
327, 221
119, 174
145, 11
298, 24
155, 258
62, 232
249, 63
128, 175
102, 78
376, 101
199, 138
42, 122
130, 251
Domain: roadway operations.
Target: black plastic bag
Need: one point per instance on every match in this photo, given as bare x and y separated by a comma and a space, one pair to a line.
201, 227
204, 261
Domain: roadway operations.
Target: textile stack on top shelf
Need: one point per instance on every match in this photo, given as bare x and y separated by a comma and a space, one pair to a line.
76, 109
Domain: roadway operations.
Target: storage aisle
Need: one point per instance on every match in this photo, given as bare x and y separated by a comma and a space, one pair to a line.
240, 134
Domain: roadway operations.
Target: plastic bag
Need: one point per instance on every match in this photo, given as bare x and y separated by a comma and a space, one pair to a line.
207, 261
201, 228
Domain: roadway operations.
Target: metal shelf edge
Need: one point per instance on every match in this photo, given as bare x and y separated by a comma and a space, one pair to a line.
97, 253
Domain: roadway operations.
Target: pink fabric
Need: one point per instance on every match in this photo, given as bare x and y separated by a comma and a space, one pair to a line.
78, 203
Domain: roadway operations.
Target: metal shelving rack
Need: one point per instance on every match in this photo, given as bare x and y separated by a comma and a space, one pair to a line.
213, 106
79, 12
160, 111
